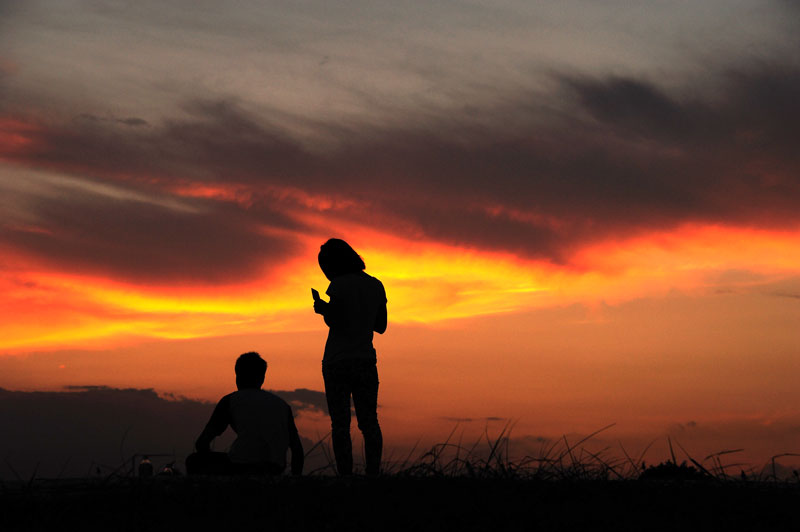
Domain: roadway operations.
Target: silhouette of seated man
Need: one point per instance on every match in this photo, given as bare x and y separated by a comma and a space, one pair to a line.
263, 423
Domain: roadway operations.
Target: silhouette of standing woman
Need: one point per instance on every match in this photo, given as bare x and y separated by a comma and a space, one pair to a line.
357, 307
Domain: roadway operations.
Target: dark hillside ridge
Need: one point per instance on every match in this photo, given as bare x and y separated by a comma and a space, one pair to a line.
398, 504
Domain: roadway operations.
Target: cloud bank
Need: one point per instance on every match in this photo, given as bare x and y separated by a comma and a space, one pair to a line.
73, 432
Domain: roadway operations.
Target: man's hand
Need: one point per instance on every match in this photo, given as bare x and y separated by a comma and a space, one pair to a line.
203, 443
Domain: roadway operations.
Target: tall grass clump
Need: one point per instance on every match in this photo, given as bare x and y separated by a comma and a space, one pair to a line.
491, 458
564, 460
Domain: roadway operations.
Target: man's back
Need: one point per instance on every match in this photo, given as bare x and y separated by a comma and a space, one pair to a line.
263, 424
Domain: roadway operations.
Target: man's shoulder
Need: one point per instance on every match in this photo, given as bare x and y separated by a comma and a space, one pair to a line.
226, 399
249, 399
272, 396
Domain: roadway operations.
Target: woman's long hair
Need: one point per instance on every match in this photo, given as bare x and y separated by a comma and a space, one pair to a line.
336, 258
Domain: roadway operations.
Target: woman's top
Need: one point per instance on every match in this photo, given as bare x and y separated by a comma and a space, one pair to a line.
358, 302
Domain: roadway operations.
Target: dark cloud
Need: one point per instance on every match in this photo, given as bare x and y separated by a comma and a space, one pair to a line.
67, 432
132, 121
90, 425
620, 156
304, 399
217, 142
787, 295
88, 117
752, 111
132, 238
637, 108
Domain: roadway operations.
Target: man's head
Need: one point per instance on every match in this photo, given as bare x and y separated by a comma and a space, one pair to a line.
250, 370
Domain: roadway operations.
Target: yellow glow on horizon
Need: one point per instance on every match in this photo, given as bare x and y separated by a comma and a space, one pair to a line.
426, 283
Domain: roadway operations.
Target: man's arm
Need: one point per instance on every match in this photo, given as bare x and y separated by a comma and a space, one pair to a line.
220, 419
296, 446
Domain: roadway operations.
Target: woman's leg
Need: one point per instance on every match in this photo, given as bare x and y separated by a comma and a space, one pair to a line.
365, 399
337, 393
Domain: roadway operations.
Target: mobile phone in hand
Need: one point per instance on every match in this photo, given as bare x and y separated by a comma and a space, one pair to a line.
315, 295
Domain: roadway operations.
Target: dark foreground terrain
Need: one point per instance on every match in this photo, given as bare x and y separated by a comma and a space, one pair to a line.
396, 503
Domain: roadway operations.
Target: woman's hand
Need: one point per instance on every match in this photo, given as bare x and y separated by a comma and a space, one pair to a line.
320, 306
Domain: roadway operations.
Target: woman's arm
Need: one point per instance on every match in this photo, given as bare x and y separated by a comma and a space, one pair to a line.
331, 310
380, 320
380, 316
327, 310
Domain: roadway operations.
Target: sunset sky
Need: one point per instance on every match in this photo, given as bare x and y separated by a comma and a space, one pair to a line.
583, 212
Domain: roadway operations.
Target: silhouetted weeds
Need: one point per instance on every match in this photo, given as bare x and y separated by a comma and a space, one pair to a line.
564, 485
562, 460
672, 471
490, 458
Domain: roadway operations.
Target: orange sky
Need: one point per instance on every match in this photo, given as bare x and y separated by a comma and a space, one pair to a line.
429, 283
696, 325
579, 219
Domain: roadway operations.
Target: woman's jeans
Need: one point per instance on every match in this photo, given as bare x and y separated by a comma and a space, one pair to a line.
358, 378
